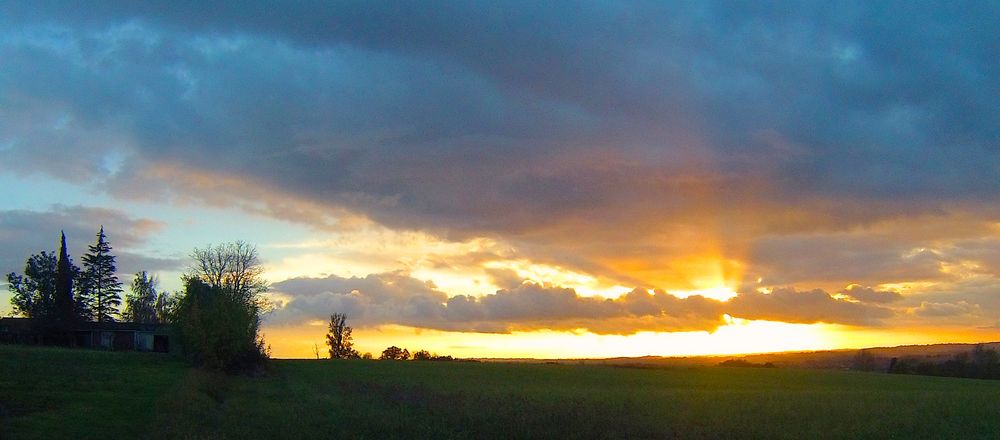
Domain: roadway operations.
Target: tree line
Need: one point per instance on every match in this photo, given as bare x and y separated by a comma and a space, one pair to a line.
979, 363
216, 316
57, 292
340, 344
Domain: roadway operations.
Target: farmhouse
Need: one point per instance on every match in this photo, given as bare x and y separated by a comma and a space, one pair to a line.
120, 336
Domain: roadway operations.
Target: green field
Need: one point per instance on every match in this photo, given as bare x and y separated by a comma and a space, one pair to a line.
53, 393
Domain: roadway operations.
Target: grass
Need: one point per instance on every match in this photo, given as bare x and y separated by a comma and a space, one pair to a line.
52, 393
363, 399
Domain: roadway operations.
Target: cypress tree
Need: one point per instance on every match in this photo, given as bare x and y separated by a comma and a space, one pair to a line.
64, 313
102, 287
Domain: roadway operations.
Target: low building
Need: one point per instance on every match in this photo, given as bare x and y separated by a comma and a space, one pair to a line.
120, 336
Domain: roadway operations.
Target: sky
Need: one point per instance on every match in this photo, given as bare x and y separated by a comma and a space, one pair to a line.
527, 179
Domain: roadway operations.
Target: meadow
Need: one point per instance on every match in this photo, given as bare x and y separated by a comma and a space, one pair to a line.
54, 393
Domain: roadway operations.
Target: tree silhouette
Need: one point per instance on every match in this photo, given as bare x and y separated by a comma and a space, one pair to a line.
395, 353
217, 330
140, 302
32, 294
231, 267
64, 305
339, 339
99, 283
218, 315
164, 306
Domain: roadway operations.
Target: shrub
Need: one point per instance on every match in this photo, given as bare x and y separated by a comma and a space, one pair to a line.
218, 330
395, 353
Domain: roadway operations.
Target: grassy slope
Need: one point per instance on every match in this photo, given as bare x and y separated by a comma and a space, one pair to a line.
379, 399
50, 393
460, 400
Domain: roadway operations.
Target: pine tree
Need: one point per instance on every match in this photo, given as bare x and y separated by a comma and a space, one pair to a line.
64, 306
100, 284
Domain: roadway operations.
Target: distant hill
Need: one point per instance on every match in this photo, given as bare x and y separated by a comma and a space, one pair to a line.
827, 359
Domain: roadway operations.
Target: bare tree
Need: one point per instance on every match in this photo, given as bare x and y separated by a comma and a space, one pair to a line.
234, 268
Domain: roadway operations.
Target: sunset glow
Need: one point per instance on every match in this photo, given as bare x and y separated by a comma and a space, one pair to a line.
664, 179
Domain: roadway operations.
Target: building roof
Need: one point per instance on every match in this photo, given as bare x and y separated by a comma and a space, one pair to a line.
22, 324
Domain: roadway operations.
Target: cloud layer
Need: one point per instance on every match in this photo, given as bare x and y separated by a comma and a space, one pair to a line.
397, 298
812, 146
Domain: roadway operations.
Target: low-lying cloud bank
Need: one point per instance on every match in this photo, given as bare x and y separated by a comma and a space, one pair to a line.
819, 145
397, 298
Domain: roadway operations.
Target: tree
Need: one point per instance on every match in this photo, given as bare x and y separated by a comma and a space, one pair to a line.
99, 284
218, 315
164, 305
64, 306
140, 302
232, 267
395, 353
217, 330
339, 339
864, 361
34, 292
422, 355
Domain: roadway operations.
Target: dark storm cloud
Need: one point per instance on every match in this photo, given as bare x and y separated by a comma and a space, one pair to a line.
23, 233
538, 124
396, 298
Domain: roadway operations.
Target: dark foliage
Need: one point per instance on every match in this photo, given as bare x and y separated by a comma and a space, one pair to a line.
338, 338
45, 291
63, 303
140, 302
33, 294
980, 363
98, 283
218, 329
424, 355
395, 353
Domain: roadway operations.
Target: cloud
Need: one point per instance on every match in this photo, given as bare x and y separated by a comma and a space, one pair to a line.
397, 298
613, 140
789, 305
504, 278
23, 233
947, 310
869, 295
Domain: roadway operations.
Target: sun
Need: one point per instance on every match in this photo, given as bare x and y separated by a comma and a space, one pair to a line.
719, 293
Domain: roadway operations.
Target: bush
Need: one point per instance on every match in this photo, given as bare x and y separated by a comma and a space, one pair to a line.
395, 353
218, 330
